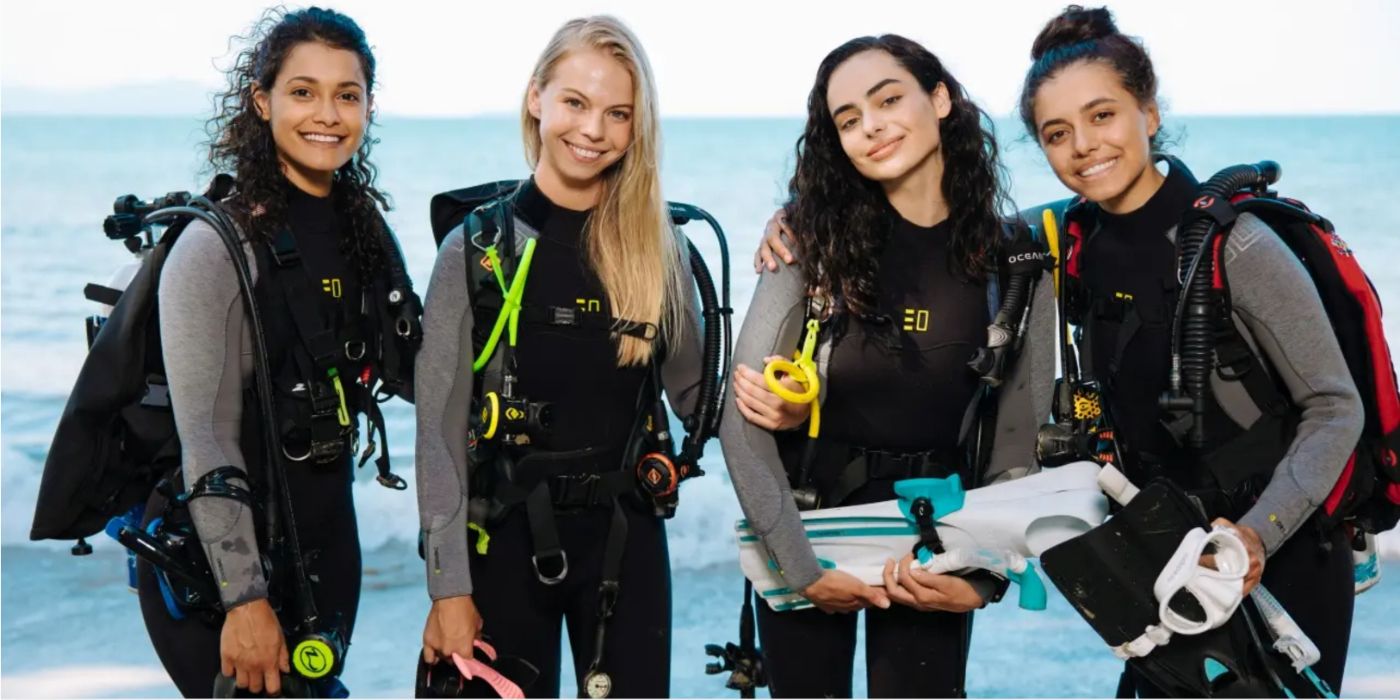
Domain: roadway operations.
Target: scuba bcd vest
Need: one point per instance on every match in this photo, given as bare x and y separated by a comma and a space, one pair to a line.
823, 472
505, 466
117, 438
1214, 351
499, 250
116, 441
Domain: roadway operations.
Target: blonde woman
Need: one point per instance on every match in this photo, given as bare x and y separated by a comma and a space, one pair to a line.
533, 416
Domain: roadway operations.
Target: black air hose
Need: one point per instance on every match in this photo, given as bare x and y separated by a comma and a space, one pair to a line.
1025, 261
711, 350
280, 531
714, 378
1193, 339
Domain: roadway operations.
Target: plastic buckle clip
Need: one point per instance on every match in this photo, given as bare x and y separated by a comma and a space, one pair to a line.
564, 316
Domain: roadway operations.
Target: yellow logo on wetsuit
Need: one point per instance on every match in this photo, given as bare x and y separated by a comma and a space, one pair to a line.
331, 286
916, 320
589, 304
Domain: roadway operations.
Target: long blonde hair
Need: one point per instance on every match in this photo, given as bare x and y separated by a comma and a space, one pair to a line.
631, 245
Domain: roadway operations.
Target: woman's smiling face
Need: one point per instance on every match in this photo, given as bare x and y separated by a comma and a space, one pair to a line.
318, 109
1097, 136
888, 125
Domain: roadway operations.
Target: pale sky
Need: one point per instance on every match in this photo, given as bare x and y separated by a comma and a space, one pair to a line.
729, 57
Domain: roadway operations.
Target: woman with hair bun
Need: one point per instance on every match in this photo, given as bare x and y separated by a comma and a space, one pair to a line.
1090, 100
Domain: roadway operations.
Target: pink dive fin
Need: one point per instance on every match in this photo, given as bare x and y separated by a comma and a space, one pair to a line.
471, 668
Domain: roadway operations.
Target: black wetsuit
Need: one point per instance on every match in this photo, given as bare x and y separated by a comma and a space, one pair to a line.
1129, 270
595, 404
321, 495
900, 384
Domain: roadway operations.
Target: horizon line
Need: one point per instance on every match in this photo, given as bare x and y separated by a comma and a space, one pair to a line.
512, 115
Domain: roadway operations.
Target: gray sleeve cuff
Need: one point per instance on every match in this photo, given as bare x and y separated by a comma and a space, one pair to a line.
445, 553
226, 531
788, 544
1281, 509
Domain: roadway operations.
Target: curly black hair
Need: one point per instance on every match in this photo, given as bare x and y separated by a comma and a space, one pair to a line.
843, 220
240, 141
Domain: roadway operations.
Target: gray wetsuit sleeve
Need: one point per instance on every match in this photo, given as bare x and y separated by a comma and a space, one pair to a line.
208, 359
750, 452
443, 389
1278, 304
1025, 396
680, 372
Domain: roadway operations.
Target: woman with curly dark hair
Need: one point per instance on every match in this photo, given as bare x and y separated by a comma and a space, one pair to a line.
896, 205
293, 128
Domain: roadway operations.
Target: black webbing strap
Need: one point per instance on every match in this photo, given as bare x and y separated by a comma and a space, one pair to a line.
575, 491
1235, 361
578, 318
527, 481
315, 333
216, 484
550, 562
319, 340
386, 477
1132, 323
102, 294
922, 510
865, 465
610, 587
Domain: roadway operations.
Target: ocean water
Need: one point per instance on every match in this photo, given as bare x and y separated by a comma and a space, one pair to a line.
72, 630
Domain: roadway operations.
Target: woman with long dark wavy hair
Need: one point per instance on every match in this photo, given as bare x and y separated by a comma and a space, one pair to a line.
292, 127
896, 205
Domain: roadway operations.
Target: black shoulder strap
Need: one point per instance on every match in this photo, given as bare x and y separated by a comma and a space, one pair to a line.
316, 334
1235, 359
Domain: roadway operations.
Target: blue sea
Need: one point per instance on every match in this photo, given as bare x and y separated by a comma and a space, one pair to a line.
70, 628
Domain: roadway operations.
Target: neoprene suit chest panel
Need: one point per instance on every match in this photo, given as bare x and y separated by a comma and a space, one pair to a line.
335, 281
573, 367
1129, 273
907, 387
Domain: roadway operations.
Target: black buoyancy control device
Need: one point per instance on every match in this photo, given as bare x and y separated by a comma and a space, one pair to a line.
486, 214
1193, 331
504, 414
121, 394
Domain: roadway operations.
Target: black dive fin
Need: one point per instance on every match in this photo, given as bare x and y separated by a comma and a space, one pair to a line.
1107, 575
